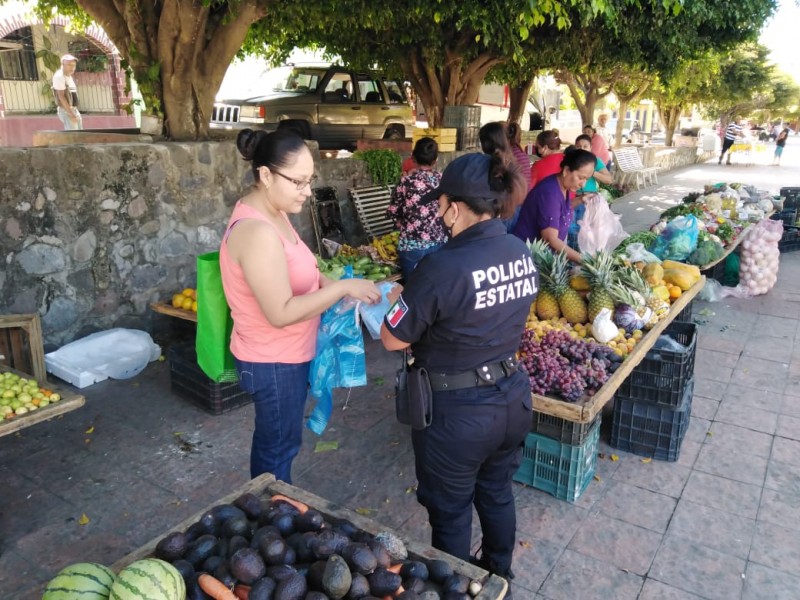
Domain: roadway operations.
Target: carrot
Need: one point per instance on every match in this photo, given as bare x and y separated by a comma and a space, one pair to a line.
215, 588
395, 568
302, 508
241, 591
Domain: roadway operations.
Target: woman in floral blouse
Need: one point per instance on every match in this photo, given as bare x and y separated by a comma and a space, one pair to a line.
421, 229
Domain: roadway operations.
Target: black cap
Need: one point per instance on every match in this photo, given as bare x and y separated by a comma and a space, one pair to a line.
466, 177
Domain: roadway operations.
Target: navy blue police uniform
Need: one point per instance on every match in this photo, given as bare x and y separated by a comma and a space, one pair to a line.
463, 310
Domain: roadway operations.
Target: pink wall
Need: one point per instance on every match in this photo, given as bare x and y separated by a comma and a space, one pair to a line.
18, 131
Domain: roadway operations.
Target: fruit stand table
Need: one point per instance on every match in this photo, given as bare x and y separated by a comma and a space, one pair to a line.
585, 411
168, 309
493, 587
69, 401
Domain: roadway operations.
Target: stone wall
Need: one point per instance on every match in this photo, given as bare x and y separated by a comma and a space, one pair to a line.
92, 234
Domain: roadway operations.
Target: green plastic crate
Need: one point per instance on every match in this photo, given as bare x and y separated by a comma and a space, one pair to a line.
562, 470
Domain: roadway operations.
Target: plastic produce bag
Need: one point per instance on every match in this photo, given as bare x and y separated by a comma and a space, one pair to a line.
600, 228
116, 353
665, 342
603, 328
638, 253
214, 323
711, 292
678, 240
340, 360
372, 314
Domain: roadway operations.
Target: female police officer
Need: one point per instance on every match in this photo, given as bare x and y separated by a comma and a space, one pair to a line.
462, 312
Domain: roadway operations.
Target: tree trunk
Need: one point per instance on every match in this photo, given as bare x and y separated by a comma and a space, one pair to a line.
178, 52
621, 112
454, 83
587, 91
518, 95
670, 116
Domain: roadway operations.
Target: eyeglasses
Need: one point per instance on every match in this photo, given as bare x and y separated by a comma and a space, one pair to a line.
299, 183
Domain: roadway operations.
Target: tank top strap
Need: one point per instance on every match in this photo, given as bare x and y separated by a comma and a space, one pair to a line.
243, 212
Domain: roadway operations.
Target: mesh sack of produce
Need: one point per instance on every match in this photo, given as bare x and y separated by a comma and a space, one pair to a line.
758, 266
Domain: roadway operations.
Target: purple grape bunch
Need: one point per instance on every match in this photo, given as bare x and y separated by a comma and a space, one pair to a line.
565, 366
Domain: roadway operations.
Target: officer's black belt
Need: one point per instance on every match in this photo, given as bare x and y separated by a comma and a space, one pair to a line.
483, 375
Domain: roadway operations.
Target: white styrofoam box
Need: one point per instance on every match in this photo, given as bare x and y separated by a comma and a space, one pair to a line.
118, 353
76, 376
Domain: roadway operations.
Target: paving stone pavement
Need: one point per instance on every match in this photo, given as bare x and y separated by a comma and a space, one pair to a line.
723, 522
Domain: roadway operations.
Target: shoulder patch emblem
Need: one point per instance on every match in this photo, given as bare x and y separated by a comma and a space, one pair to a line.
397, 312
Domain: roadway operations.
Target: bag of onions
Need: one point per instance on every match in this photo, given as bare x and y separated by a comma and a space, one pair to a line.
758, 268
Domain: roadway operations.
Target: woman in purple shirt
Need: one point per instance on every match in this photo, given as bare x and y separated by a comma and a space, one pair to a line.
547, 211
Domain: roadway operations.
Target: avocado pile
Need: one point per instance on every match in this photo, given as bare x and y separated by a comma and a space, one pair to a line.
281, 554
358, 266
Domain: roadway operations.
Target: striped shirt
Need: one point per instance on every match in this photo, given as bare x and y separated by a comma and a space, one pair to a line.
732, 131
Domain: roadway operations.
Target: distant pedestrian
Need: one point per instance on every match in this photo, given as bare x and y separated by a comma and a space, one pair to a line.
65, 93
733, 131
780, 142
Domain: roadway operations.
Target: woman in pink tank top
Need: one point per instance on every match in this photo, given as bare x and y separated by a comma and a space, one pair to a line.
276, 294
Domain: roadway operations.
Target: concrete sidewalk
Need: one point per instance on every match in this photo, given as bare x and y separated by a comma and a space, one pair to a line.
721, 523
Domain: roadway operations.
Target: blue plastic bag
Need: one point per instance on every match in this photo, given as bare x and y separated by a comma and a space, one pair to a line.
340, 360
372, 314
678, 240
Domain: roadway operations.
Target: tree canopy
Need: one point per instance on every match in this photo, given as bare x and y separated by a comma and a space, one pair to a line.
179, 52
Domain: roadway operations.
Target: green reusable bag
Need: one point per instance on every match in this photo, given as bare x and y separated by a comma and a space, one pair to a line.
214, 323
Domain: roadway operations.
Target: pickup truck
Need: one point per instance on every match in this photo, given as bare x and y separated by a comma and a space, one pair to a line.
330, 104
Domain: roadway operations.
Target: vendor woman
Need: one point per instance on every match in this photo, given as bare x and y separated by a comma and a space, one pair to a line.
547, 211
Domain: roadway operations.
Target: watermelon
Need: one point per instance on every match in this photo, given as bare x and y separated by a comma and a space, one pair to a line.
91, 581
148, 579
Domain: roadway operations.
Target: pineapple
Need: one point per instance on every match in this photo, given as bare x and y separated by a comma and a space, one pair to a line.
633, 279
546, 302
570, 302
598, 269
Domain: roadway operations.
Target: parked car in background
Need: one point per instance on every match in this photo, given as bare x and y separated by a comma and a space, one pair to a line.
331, 104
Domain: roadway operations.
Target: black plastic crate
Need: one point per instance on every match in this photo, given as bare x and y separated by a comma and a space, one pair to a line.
791, 197
189, 381
790, 241
662, 376
566, 432
461, 116
685, 316
787, 215
649, 429
467, 138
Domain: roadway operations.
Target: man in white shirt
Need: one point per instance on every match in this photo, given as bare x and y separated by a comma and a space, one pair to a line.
602, 129
66, 94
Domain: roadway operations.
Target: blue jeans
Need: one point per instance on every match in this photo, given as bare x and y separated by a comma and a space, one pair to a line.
69, 124
279, 393
408, 259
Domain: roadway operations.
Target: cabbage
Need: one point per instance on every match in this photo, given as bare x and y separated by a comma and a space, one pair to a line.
625, 316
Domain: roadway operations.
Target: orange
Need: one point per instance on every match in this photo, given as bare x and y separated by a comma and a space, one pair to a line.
177, 300
674, 292
188, 292
187, 303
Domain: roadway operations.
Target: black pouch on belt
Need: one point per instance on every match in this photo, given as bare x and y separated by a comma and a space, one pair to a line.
420, 399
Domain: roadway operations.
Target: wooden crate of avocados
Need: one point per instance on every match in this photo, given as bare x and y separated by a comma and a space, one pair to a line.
264, 486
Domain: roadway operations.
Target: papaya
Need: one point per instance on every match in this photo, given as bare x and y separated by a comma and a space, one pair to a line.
653, 273
680, 278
